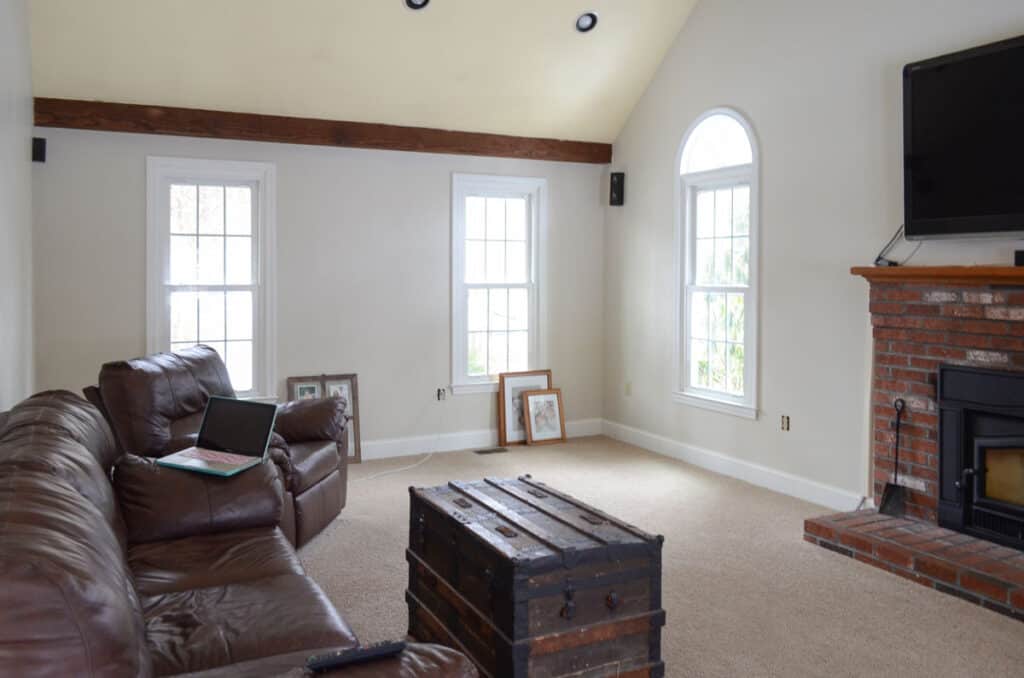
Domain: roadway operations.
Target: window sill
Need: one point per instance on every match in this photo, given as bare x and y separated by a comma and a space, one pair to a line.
721, 406
471, 389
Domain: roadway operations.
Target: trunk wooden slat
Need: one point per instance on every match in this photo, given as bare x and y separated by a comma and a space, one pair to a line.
528, 581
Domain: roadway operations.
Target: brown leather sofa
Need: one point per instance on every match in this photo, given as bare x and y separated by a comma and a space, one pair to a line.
158, 572
155, 407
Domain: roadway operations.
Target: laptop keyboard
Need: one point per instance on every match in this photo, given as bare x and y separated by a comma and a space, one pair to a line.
215, 457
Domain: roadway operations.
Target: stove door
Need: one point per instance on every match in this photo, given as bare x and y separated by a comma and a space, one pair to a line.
998, 501
1000, 470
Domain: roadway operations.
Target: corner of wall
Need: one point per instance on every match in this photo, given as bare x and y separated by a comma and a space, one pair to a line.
16, 355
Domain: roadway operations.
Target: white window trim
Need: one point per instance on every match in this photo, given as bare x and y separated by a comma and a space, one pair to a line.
160, 172
463, 186
685, 186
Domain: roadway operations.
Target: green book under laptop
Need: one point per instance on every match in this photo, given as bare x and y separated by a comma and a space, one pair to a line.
234, 436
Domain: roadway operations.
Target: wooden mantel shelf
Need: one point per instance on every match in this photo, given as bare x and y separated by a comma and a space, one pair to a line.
943, 275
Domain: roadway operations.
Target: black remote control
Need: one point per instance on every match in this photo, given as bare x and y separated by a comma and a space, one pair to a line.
356, 655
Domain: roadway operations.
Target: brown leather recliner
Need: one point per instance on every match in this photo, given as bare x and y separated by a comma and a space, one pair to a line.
155, 407
160, 572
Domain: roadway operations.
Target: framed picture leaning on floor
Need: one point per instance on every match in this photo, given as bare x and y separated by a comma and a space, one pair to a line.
545, 417
305, 388
511, 385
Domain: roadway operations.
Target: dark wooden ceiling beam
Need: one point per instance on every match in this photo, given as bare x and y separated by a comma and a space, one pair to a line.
192, 122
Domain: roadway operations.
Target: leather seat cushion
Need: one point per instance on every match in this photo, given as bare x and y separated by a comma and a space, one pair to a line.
161, 503
211, 560
219, 625
417, 661
312, 462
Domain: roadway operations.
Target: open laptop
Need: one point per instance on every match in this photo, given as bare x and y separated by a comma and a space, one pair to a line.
234, 436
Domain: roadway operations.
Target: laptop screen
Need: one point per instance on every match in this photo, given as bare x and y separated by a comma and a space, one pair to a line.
237, 426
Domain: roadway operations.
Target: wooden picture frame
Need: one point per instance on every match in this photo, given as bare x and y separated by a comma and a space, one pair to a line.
511, 385
305, 388
329, 386
545, 435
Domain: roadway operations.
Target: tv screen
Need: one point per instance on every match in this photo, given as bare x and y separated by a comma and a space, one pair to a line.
964, 142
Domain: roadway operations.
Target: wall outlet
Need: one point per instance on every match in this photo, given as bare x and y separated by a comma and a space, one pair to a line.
785, 422
629, 388
442, 393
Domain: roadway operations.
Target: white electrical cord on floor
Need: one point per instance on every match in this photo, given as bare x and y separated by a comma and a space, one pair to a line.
421, 462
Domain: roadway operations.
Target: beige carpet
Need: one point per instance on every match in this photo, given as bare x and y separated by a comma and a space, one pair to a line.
745, 595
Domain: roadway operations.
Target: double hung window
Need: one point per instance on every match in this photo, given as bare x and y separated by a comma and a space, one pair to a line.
496, 229
209, 238
716, 346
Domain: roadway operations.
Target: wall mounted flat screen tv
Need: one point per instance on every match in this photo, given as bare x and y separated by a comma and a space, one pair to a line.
963, 138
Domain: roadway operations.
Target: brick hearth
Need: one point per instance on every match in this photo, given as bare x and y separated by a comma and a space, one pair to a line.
923, 318
969, 568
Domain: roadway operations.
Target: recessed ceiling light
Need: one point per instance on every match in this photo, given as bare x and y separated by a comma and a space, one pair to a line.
416, 4
586, 22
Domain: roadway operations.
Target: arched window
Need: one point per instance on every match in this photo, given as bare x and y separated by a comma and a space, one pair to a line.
716, 347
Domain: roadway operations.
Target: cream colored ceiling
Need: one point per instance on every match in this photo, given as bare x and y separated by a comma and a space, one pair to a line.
504, 66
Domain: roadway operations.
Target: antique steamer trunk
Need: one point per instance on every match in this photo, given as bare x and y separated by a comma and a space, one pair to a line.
531, 582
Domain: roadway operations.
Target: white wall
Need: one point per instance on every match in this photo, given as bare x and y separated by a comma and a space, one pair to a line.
821, 83
362, 270
15, 205
363, 241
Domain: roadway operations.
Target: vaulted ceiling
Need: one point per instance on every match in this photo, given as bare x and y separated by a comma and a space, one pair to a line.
502, 66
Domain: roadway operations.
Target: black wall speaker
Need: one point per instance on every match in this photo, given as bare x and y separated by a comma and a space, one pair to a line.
1018, 258
617, 191
38, 149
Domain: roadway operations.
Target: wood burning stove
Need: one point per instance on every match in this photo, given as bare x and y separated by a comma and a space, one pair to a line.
981, 453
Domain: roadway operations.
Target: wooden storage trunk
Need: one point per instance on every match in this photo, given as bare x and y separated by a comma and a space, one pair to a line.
531, 582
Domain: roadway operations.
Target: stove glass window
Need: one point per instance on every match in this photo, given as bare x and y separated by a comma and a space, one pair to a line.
1004, 474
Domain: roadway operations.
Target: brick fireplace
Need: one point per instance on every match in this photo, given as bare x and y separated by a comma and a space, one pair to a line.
924, 318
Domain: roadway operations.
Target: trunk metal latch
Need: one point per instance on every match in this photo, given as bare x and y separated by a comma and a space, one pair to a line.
569, 609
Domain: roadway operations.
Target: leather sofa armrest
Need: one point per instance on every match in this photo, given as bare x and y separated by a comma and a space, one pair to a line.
306, 420
418, 660
279, 453
160, 503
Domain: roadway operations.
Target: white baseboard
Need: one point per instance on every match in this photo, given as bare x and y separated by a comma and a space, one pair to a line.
460, 440
582, 428
755, 474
